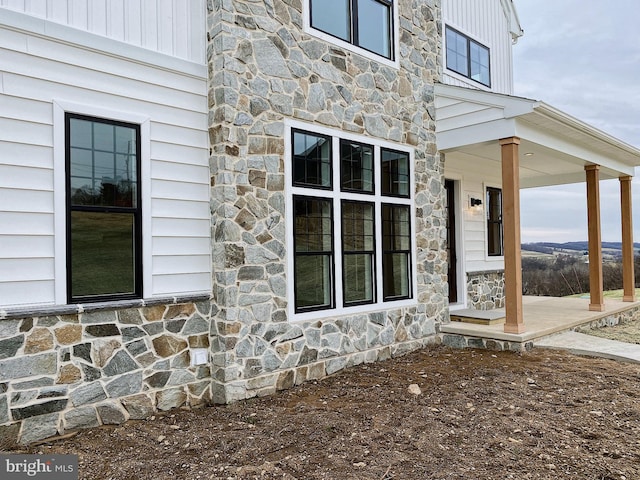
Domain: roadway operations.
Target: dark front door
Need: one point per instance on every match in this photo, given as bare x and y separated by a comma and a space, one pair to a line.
449, 186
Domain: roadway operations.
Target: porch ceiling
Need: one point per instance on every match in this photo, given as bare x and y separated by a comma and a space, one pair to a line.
554, 146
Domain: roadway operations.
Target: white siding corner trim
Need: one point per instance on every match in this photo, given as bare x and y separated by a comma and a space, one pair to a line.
60, 107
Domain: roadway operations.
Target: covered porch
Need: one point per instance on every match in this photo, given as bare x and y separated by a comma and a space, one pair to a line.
517, 143
545, 316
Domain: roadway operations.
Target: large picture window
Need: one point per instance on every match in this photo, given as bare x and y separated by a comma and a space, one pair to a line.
467, 57
103, 209
364, 23
494, 222
352, 222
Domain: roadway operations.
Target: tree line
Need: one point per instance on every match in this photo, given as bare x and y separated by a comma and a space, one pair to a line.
568, 275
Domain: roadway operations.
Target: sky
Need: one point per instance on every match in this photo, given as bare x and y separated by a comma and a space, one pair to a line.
582, 57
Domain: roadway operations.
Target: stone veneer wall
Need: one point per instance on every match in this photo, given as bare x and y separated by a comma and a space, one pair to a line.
611, 320
485, 290
65, 372
62, 370
265, 69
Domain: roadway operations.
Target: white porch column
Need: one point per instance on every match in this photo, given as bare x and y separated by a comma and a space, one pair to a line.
595, 238
628, 276
511, 235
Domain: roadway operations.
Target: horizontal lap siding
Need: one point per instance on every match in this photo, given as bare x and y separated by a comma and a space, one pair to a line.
474, 176
172, 27
37, 71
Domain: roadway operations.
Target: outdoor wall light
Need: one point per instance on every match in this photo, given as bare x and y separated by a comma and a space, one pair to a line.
475, 202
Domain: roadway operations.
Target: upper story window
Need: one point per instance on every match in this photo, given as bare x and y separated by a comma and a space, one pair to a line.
494, 222
364, 23
103, 209
467, 57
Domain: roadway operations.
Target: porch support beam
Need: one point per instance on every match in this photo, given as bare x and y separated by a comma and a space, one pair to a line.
628, 276
595, 238
514, 322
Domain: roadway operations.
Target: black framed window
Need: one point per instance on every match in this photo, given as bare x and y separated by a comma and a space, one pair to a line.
351, 235
367, 24
358, 252
313, 244
356, 167
395, 173
396, 251
467, 57
311, 159
103, 209
494, 222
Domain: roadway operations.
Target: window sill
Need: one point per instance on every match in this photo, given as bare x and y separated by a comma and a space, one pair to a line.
73, 309
350, 311
363, 52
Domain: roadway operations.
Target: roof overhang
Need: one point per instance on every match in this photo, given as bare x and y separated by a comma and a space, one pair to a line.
554, 147
512, 20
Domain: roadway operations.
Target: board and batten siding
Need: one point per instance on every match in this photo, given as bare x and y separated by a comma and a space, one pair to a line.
173, 27
38, 74
485, 22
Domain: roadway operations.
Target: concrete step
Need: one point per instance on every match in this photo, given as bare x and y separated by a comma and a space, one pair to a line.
478, 317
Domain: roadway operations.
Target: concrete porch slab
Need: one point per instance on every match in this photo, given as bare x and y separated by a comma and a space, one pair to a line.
543, 316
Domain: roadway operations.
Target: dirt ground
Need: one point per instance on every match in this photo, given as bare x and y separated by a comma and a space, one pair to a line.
479, 415
626, 332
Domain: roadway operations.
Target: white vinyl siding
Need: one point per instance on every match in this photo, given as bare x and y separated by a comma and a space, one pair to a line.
474, 177
483, 21
172, 27
40, 75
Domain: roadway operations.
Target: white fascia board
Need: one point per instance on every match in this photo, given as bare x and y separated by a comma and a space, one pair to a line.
574, 149
473, 134
512, 105
90, 41
515, 29
553, 113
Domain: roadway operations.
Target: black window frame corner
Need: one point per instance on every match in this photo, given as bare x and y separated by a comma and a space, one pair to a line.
136, 212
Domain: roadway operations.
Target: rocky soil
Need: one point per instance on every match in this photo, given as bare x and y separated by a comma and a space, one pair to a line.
434, 414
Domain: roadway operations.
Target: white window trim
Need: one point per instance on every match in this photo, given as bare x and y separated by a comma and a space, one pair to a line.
395, 63
60, 107
336, 196
456, 75
491, 258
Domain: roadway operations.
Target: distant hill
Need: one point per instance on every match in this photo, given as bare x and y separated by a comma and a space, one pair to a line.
574, 248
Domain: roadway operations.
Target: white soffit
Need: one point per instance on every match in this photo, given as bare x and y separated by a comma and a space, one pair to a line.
467, 118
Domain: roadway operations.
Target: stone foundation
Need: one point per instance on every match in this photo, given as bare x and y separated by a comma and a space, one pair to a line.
462, 341
618, 318
69, 371
485, 290
270, 356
